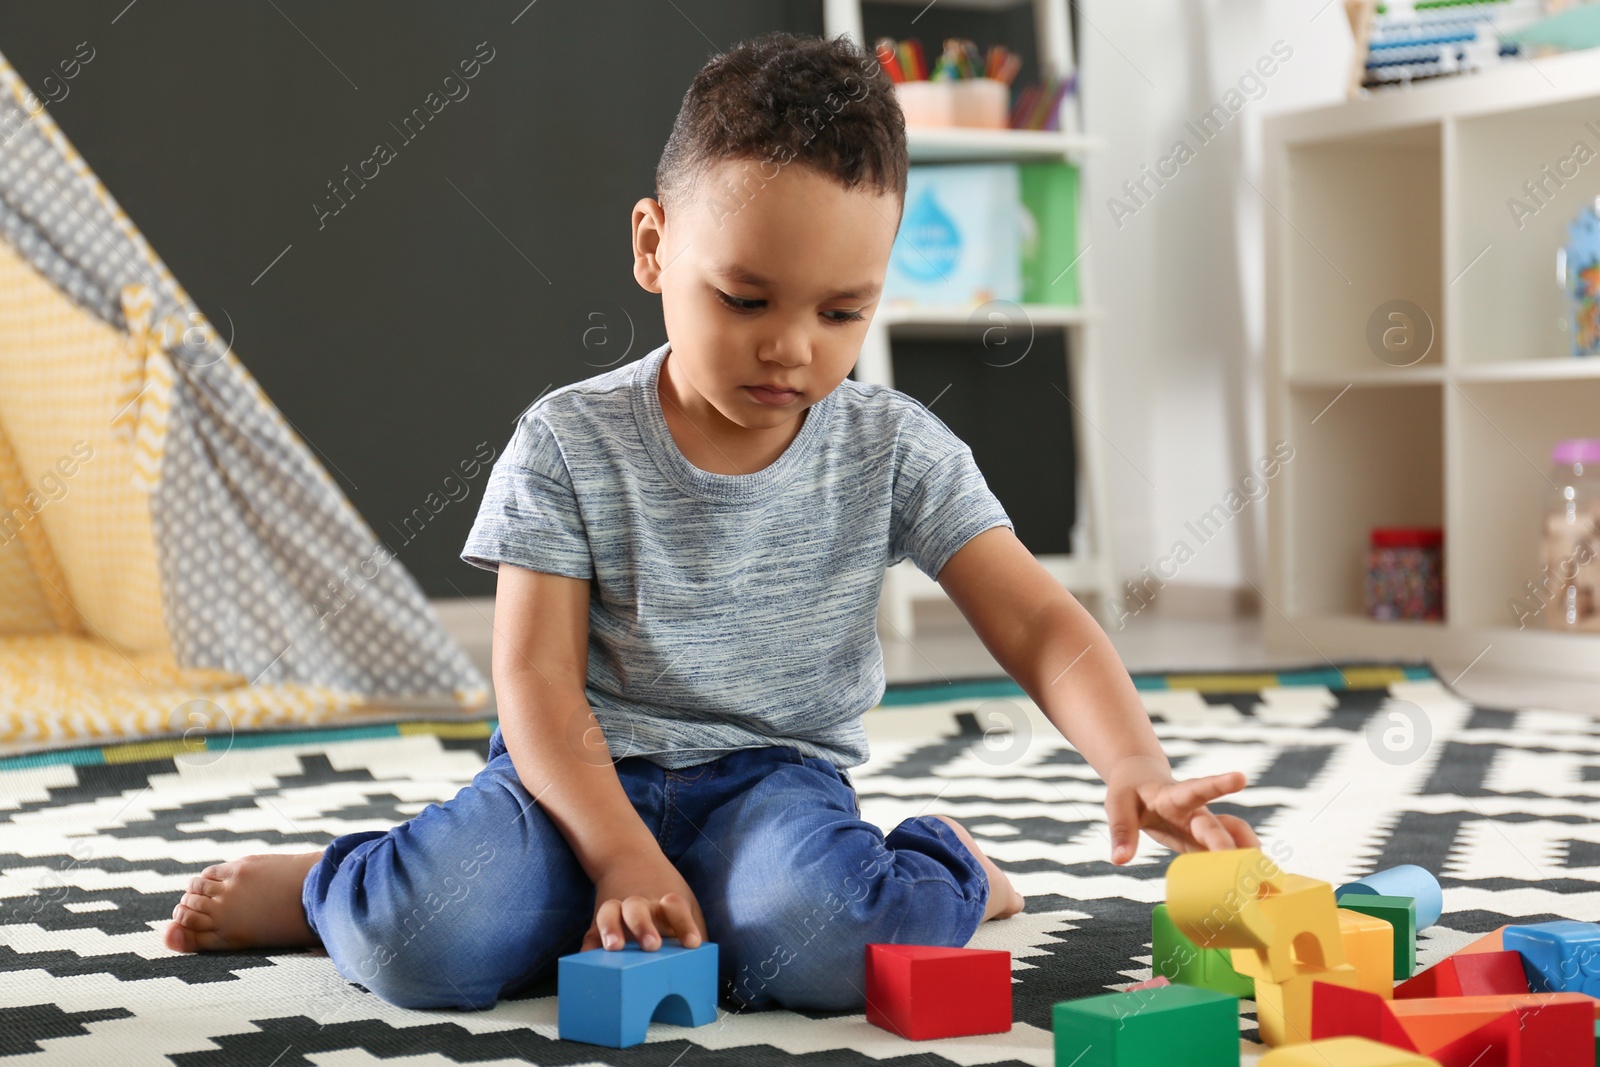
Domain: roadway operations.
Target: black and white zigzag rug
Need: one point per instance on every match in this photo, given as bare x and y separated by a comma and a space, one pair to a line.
1353, 768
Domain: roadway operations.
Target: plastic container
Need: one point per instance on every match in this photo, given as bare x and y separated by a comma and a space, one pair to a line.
1405, 573
983, 102
1570, 584
926, 103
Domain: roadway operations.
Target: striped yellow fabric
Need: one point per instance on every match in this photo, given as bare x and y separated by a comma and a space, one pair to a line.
62, 375
67, 689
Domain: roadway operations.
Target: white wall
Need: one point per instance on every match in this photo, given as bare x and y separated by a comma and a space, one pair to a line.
1180, 278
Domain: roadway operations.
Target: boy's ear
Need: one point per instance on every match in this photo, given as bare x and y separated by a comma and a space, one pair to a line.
649, 233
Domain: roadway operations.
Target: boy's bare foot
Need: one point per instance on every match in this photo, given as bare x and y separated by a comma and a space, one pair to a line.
250, 902
1004, 900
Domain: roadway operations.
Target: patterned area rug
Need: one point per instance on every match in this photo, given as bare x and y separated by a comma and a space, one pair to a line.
1352, 768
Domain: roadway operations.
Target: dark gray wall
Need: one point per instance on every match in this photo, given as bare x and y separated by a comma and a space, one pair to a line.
404, 331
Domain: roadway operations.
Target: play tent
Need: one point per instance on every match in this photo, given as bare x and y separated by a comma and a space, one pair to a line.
172, 556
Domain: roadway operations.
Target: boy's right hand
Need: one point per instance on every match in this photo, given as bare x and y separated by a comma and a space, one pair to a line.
647, 897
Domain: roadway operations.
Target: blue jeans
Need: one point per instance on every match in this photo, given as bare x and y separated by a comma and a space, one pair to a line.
478, 897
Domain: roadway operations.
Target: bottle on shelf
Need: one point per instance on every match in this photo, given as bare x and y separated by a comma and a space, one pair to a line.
1572, 536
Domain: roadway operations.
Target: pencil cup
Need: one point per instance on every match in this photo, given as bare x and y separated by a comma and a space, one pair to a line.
980, 102
926, 103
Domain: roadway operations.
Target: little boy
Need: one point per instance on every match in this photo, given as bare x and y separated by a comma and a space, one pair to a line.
690, 551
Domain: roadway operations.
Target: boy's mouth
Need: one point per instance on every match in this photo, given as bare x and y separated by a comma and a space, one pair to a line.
769, 395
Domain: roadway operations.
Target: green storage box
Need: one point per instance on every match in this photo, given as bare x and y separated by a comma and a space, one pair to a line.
1050, 263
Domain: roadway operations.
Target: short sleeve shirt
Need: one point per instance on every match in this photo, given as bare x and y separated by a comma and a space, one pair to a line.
729, 611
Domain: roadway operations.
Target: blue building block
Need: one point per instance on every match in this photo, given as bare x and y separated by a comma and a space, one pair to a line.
1407, 880
611, 996
1559, 957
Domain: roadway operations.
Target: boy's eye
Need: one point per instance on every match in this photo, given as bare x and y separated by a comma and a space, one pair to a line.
739, 303
747, 305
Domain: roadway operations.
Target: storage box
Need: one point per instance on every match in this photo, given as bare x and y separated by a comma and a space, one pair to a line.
960, 239
1050, 264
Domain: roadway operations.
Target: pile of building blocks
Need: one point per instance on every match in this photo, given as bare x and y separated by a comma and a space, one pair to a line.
1333, 975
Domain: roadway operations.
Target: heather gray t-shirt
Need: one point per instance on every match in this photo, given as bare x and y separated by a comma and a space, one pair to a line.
729, 611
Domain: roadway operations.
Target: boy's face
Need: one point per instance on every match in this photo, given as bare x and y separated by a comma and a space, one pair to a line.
766, 279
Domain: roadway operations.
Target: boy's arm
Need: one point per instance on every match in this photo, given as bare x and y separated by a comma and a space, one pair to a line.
540, 649
1053, 648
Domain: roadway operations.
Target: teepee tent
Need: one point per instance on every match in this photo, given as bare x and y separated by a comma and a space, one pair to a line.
172, 557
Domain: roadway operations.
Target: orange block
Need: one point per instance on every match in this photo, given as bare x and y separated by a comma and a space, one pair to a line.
1490, 942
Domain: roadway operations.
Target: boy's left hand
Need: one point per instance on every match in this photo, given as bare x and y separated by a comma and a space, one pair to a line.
1141, 794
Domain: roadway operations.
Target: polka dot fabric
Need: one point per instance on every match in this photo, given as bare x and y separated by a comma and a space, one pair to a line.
203, 552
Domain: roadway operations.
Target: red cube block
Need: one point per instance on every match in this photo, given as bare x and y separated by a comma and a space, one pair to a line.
925, 991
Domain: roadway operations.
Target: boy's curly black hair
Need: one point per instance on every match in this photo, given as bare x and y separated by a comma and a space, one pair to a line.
782, 98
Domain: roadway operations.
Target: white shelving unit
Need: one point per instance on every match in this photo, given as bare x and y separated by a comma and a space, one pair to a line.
1406, 196
1088, 568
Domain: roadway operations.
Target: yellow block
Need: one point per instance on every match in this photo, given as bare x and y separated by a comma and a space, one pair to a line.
1369, 948
1283, 1009
1278, 924
1344, 1052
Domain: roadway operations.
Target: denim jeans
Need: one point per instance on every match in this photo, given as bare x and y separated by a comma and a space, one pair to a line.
478, 897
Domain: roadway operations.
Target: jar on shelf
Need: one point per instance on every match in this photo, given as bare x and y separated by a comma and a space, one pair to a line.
1571, 581
1405, 573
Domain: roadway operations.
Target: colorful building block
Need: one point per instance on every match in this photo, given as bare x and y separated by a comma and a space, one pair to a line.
1515, 1031
611, 996
1398, 912
922, 992
1147, 1028
1344, 1052
1473, 975
1284, 1009
1241, 900
1493, 941
1175, 957
1559, 957
1408, 880
1369, 948
1150, 983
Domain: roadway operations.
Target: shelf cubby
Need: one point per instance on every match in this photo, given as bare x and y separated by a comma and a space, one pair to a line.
1506, 302
1503, 434
1363, 457
1364, 217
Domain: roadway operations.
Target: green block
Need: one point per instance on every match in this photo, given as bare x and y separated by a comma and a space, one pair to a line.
1149, 1028
1398, 912
1182, 961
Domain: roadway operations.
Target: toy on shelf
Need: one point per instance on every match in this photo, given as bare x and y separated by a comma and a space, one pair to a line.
921, 992
611, 996
1405, 573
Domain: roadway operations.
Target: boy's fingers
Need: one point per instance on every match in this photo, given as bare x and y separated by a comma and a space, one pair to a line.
1207, 829
608, 924
1243, 834
640, 917
1122, 817
681, 918
1196, 792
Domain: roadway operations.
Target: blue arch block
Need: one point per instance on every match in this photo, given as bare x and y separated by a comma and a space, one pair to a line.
611, 996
